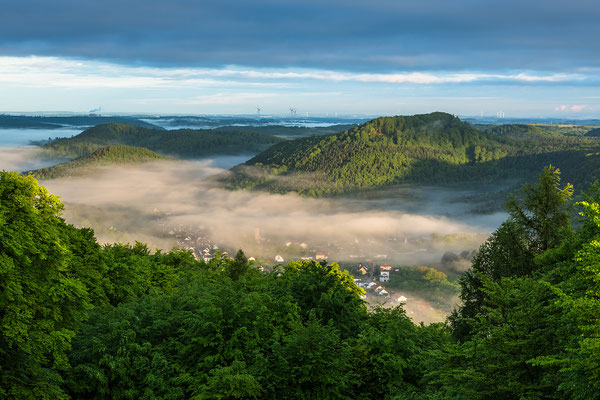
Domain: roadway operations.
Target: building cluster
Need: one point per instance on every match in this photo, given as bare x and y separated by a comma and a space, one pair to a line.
372, 278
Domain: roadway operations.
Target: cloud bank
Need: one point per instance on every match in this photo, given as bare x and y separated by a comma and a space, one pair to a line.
326, 34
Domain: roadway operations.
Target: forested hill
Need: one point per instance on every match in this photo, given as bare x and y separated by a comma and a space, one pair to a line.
109, 155
521, 131
593, 133
49, 122
187, 143
291, 131
428, 148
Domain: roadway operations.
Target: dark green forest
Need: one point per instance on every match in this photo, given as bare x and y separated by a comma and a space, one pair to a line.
109, 155
84, 321
429, 148
184, 143
48, 122
593, 133
291, 131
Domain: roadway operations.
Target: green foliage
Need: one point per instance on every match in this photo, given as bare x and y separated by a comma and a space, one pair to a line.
109, 155
326, 293
44, 292
429, 148
82, 321
543, 211
431, 284
186, 143
538, 222
48, 122
239, 266
518, 323
593, 132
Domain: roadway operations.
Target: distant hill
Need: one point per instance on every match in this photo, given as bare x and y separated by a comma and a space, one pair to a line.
15, 122
46, 122
427, 148
186, 143
109, 155
521, 131
294, 131
593, 133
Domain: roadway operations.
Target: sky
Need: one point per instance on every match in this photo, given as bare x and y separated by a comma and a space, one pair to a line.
379, 57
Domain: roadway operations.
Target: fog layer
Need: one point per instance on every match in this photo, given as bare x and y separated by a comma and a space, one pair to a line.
153, 201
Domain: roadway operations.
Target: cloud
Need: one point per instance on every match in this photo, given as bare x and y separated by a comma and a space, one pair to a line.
578, 107
358, 36
574, 107
43, 72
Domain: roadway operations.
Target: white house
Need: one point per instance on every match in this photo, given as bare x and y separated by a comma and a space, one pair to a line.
384, 276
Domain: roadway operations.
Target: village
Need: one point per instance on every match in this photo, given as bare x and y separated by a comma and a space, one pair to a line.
373, 274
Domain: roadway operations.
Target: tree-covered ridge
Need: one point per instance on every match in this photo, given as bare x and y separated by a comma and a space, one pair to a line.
593, 133
429, 148
520, 131
183, 142
109, 155
284, 131
50, 122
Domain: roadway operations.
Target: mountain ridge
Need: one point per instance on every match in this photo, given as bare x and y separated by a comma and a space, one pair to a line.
423, 148
109, 155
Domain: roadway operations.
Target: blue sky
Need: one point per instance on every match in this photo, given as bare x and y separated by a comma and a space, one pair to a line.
526, 58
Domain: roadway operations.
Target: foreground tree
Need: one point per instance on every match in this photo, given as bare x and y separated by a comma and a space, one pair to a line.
539, 220
543, 210
43, 288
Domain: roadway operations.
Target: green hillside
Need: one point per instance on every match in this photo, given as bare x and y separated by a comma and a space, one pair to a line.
521, 131
298, 131
109, 155
428, 148
187, 143
593, 133
49, 122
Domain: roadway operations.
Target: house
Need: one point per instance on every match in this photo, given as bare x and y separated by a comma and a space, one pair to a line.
278, 258
384, 276
401, 299
385, 267
383, 292
363, 270
320, 256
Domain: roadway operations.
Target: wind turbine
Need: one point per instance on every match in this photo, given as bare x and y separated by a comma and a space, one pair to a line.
258, 109
292, 112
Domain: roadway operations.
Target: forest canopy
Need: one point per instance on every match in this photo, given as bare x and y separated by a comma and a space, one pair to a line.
184, 143
119, 321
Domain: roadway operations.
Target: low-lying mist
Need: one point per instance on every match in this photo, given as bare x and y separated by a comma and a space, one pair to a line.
155, 202
24, 158
177, 203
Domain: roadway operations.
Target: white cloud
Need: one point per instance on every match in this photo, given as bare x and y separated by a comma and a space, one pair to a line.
68, 73
573, 107
578, 107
